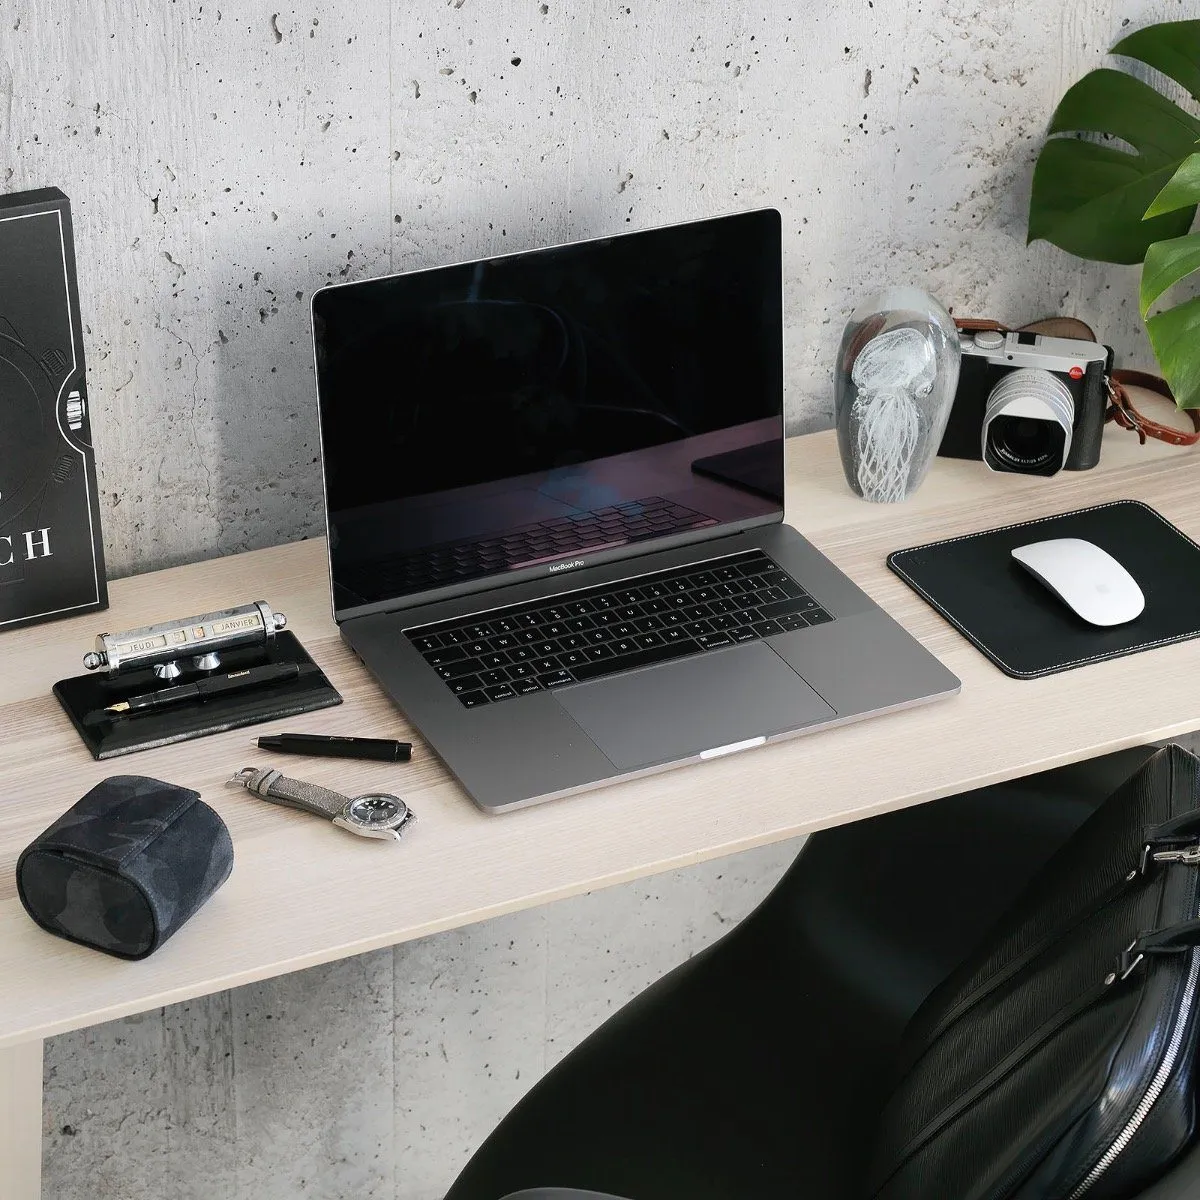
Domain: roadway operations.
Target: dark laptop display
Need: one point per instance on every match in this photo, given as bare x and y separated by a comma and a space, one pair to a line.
505, 416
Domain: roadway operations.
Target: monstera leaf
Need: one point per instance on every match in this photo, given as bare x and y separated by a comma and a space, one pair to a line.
1175, 332
1137, 201
1090, 197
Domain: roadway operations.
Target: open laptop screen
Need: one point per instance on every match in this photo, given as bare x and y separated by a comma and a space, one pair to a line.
521, 414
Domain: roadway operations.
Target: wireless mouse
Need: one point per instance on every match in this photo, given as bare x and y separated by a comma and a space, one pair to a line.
1088, 580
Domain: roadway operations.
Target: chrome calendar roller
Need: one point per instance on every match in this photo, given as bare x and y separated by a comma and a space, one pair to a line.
201, 639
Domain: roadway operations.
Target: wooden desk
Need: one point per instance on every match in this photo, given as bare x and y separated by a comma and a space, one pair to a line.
303, 892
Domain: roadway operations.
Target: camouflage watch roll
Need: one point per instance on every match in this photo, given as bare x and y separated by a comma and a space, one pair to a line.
126, 866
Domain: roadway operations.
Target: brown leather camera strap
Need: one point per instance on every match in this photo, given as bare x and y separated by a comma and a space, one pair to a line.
1120, 410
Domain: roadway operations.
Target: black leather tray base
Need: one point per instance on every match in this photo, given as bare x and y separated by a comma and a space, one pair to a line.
84, 698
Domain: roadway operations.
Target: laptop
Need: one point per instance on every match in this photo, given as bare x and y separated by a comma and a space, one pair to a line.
554, 496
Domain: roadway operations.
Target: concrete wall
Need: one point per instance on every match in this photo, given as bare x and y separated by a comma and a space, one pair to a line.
224, 161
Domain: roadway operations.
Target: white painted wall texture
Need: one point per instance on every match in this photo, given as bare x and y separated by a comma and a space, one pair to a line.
226, 159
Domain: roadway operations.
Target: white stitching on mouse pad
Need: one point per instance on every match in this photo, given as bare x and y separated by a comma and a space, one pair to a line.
893, 561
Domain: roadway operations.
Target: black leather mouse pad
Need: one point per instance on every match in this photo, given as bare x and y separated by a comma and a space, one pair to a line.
1028, 632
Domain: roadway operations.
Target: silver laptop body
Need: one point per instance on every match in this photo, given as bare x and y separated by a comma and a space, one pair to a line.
554, 496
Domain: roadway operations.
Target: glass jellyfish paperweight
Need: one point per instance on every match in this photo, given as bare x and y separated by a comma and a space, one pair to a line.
897, 372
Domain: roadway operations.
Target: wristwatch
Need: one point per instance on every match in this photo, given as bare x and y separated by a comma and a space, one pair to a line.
373, 815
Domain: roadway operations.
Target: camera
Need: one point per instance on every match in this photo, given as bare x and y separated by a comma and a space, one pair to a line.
1029, 403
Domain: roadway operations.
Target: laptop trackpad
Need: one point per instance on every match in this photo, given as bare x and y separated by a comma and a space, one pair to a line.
676, 710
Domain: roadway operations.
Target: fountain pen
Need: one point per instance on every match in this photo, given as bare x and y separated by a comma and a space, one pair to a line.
235, 681
335, 746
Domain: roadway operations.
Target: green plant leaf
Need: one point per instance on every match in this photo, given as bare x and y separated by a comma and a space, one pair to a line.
1111, 102
1126, 203
1175, 334
1166, 264
1172, 47
1182, 190
1090, 199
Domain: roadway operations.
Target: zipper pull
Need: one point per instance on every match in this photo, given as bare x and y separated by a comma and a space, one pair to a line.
1187, 855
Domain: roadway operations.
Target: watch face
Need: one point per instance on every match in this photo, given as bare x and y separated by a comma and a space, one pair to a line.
377, 810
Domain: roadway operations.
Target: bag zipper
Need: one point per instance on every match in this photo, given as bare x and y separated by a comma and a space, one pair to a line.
1156, 1088
1187, 855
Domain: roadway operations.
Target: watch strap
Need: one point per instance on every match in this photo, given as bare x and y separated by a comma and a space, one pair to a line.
296, 793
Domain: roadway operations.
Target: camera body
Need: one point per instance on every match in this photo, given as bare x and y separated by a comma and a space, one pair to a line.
1029, 403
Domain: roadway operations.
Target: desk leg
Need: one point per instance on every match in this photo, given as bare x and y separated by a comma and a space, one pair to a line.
21, 1122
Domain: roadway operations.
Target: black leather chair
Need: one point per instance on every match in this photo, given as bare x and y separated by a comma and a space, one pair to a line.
756, 1070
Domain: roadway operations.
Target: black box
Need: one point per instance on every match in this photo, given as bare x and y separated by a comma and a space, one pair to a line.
51, 547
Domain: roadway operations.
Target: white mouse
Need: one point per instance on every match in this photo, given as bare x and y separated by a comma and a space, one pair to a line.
1088, 580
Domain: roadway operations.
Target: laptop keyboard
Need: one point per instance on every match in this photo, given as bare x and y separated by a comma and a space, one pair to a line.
529, 545
598, 631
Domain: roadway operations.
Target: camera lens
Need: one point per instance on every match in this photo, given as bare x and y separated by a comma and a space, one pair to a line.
1026, 445
1028, 423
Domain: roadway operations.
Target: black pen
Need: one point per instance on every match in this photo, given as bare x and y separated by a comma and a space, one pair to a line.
235, 681
331, 746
